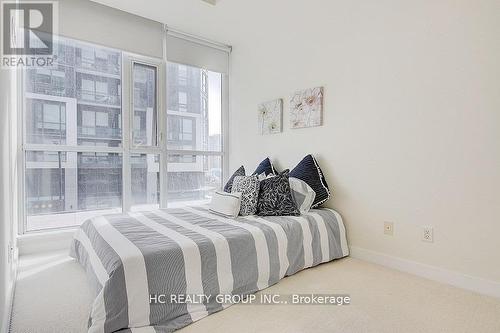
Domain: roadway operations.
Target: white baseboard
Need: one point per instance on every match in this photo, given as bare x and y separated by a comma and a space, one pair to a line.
476, 284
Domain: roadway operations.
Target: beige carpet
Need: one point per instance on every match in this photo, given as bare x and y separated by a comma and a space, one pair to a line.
52, 296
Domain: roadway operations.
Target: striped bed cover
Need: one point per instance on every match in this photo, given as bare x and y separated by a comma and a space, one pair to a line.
132, 258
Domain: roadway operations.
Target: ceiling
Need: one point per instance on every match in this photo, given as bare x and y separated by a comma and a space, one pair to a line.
192, 16
246, 25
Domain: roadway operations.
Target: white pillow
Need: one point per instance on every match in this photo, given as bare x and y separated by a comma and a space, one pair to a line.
226, 204
302, 194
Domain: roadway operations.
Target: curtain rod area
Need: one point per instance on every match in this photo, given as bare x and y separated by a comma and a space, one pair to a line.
197, 39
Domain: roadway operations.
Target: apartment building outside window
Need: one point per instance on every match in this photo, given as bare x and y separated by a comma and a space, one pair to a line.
193, 133
75, 104
85, 154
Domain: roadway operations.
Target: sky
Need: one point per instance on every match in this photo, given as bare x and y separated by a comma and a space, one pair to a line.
214, 102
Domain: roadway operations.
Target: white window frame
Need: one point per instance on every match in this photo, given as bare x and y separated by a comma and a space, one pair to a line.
126, 150
128, 61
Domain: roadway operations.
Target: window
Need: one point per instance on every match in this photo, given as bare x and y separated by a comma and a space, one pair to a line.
180, 132
99, 181
145, 113
68, 110
146, 153
74, 150
86, 155
145, 181
88, 118
194, 146
183, 101
46, 122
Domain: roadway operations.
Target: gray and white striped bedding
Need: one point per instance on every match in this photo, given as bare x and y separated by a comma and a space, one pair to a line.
190, 251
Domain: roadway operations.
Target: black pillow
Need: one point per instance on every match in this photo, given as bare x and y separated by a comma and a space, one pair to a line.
265, 167
309, 171
229, 184
275, 197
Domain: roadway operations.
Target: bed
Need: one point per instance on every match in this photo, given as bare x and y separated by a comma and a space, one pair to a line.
136, 261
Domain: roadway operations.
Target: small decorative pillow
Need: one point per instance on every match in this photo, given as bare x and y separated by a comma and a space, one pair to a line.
226, 204
265, 167
275, 197
303, 195
309, 171
249, 188
229, 184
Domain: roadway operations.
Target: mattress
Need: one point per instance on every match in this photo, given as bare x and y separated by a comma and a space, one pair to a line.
136, 261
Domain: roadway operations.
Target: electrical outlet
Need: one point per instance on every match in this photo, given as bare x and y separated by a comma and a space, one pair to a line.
427, 234
389, 228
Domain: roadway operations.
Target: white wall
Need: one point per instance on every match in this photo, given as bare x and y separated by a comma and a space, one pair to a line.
412, 111
7, 193
412, 118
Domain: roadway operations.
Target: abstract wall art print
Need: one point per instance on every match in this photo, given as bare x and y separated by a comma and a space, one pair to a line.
306, 108
270, 117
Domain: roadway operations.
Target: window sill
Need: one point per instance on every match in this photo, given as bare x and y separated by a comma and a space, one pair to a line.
47, 241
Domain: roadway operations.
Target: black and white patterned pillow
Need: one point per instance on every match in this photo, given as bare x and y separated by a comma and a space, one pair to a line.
249, 188
309, 171
266, 167
229, 184
275, 198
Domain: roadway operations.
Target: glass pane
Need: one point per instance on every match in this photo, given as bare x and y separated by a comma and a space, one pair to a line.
66, 188
181, 129
80, 83
88, 118
145, 172
99, 181
192, 178
99, 126
102, 119
194, 108
45, 122
145, 114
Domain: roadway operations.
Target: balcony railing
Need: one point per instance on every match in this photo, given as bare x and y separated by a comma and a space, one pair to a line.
99, 132
98, 98
52, 89
47, 138
103, 67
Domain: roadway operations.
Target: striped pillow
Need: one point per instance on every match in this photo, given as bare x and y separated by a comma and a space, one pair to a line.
309, 171
302, 194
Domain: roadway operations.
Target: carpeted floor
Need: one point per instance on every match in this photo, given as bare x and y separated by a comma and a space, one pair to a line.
52, 296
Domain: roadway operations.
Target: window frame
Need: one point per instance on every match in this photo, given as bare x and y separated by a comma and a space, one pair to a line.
126, 149
159, 69
127, 59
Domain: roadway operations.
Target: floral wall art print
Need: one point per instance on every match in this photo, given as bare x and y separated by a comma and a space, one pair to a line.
270, 117
306, 108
